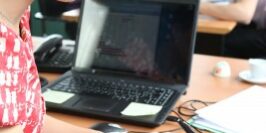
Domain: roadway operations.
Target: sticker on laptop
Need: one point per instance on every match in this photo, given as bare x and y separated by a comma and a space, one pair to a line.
57, 96
141, 109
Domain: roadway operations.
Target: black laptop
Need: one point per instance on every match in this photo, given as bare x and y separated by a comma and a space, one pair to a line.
128, 51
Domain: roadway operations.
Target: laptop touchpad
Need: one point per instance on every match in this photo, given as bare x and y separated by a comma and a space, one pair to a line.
97, 103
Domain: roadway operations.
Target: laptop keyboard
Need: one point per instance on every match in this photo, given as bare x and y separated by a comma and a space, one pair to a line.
120, 90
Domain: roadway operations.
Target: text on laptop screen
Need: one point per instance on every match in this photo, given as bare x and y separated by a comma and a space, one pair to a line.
148, 39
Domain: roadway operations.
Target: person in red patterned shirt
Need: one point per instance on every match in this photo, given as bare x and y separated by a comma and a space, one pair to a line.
22, 108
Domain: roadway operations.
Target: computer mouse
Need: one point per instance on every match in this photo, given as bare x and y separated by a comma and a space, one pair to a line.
108, 128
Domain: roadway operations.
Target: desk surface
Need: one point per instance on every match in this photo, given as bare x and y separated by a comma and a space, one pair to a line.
204, 26
219, 27
202, 86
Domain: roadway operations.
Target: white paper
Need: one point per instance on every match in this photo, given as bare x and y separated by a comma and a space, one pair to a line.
57, 96
209, 125
141, 109
244, 112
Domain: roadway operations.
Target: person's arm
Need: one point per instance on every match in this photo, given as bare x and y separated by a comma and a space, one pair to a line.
52, 125
242, 11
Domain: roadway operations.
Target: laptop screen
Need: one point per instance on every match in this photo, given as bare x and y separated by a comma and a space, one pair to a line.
150, 39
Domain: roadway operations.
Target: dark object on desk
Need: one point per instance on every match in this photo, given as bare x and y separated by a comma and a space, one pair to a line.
129, 51
109, 128
53, 56
43, 81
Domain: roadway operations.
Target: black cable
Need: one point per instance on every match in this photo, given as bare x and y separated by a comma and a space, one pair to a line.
184, 125
195, 128
188, 108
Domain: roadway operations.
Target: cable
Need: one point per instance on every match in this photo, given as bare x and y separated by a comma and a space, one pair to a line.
191, 106
184, 125
195, 128
188, 108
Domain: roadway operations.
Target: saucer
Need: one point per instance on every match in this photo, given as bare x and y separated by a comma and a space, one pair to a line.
246, 76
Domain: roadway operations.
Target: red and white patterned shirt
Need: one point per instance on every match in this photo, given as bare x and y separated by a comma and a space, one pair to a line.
21, 101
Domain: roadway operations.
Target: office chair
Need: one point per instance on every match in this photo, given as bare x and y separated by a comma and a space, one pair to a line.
50, 10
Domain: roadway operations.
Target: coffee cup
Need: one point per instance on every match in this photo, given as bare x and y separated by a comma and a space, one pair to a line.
257, 68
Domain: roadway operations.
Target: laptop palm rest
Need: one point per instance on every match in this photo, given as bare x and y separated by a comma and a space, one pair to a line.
97, 103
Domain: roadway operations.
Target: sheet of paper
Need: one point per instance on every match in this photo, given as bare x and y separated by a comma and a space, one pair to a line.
207, 125
245, 112
57, 96
141, 109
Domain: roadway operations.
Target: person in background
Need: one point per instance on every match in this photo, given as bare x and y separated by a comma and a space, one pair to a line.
248, 39
22, 108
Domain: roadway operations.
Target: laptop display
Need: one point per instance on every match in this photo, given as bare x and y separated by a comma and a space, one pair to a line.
130, 51
144, 38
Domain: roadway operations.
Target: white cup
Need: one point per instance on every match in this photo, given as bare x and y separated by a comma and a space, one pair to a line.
257, 68
222, 69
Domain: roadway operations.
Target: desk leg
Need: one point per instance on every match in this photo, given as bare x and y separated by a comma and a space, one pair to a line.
210, 44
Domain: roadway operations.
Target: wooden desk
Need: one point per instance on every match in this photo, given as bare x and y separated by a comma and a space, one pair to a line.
202, 86
220, 27
71, 16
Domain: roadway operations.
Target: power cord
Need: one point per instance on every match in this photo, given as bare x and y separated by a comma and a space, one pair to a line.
187, 108
191, 126
184, 125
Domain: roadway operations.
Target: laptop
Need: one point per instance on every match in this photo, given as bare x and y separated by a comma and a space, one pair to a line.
128, 51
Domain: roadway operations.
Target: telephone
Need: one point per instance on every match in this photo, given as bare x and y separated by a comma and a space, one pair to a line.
51, 45
53, 55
